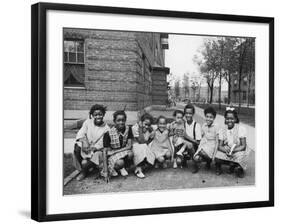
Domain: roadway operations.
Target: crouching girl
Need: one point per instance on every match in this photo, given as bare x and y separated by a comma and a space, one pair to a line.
118, 145
209, 141
89, 142
232, 149
161, 145
143, 135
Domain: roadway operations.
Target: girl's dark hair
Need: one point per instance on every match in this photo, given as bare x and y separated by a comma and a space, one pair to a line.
161, 117
235, 114
119, 112
189, 106
178, 112
210, 110
97, 107
146, 116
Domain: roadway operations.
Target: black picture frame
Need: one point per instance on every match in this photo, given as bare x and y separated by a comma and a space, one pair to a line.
38, 108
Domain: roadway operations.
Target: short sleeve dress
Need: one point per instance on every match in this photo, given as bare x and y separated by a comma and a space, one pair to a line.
93, 134
231, 137
161, 143
208, 140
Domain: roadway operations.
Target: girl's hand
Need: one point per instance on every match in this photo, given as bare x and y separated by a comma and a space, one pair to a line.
94, 149
152, 135
86, 149
227, 149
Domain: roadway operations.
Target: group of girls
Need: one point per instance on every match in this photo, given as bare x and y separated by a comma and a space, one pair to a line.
145, 145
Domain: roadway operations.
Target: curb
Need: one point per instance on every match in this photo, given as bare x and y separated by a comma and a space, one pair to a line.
70, 177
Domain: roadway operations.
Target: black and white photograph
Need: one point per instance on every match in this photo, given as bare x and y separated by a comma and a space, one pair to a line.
151, 111
140, 112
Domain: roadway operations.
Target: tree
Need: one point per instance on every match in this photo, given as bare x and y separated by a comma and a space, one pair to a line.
249, 67
185, 84
208, 65
229, 63
242, 49
194, 87
177, 88
220, 52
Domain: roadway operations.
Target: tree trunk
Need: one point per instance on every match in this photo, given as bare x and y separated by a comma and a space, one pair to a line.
229, 90
220, 92
211, 93
249, 89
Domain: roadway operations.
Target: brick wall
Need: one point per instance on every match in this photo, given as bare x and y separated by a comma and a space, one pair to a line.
118, 69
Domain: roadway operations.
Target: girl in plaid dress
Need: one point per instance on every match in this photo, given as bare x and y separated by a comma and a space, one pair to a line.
118, 144
232, 149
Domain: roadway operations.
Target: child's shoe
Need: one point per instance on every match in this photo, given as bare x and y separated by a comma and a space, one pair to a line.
124, 172
139, 173
231, 169
195, 168
239, 172
165, 165
208, 166
114, 173
218, 170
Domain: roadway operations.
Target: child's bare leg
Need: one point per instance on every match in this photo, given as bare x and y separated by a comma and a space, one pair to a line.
179, 161
182, 149
159, 161
167, 157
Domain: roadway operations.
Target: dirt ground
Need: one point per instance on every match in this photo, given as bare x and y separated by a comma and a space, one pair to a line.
162, 179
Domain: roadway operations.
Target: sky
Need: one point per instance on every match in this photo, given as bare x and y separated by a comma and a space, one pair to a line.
179, 56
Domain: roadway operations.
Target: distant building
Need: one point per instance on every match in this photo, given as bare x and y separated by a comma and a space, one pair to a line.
202, 94
247, 92
116, 69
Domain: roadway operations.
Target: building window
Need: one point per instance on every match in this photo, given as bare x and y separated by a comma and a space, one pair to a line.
74, 67
74, 51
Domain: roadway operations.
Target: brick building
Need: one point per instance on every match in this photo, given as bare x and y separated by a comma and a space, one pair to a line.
116, 69
247, 91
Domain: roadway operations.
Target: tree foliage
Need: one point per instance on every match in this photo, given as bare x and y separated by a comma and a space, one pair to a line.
223, 57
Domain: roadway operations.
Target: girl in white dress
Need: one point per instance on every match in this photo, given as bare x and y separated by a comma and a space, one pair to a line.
143, 135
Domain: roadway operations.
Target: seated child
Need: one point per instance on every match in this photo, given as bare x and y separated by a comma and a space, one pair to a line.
177, 131
161, 146
209, 141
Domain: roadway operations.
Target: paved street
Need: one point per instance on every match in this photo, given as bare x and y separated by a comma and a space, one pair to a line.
164, 179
